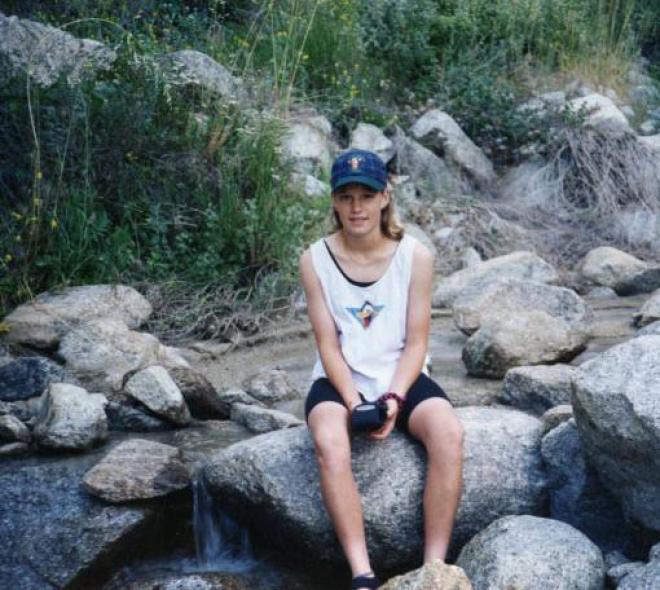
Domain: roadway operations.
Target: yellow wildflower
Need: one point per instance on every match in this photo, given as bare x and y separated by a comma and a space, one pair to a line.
53, 223
39, 175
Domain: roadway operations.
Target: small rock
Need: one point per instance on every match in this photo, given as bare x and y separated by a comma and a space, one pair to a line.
200, 395
137, 470
131, 416
435, 575
649, 312
261, 420
371, 138
15, 449
28, 377
13, 430
616, 574
270, 386
556, 416
537, 388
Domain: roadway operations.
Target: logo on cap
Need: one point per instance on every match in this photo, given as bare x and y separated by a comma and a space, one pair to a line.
355, 163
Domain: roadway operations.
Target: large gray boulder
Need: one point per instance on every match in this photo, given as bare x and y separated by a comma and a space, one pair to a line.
433, 178
307, 143
70, 418
537, 388
29, 376
434, 575
521, 265
270, 483
371, 138
155, 388
600, 112
47, 53
526, 338
505, 298
615, 401
649, 312
101, 353
531, 553
45, 320
191, 67
439, 132
623, 272
577, 496
137, 469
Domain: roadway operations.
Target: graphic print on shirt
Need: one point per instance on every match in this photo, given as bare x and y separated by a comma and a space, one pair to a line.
365, 314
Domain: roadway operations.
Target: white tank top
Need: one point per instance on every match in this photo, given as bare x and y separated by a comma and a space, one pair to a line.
370, 321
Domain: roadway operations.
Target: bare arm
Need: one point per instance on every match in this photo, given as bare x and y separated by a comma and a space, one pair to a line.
325, 333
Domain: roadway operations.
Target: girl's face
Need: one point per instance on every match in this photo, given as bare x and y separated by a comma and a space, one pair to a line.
359, 208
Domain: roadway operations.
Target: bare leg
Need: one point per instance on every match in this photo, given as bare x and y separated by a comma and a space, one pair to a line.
434, 423
328, 424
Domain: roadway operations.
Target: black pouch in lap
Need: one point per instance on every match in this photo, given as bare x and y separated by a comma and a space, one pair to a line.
368, 416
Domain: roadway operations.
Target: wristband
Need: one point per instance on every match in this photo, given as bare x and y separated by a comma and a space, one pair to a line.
395, 396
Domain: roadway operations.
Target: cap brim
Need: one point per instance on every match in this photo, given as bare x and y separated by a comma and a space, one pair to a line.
367, 181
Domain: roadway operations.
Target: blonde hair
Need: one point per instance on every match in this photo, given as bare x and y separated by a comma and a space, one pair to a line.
389, 221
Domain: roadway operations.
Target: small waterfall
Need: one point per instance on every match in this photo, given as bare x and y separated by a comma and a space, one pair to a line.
220, 543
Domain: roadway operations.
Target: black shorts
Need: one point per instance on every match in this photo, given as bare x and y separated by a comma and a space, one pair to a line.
423, 388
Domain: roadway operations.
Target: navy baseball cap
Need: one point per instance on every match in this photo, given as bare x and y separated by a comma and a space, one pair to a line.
359, 166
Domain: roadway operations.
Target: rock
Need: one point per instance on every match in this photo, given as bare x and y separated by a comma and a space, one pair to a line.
129, 415
47, 53
652, 329
56, 536
601, 293
270, 483
409, 207
644, 95
15, 449
102, 352
649, 312
433, 178
307, 143
437, 131
434, 575
230, 397
28, 377
418, 233
556, 416
261, 420
505, 298
310, 186
537, 389
45, 320
137, 470
25, 411
471, 258
628, 111
270, 386
190, 67
616, 574
531, 553
615, 401
371, 138
622, 272
155, 388
13, 430
648, 127
651, 141
638, 226
200, 395
522, 265
70, 418
577, 496
643, 578
528, 338
200, 581
600, 111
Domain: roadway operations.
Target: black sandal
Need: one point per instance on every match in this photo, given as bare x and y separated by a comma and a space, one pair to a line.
365, 581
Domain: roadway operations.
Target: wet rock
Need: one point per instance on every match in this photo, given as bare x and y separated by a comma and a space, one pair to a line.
194, 68
13, 430
531, 553
47, 53
433, 178
53, 534
270, 482
622, 272
521, 265
537, 389
28, 377
434, 575
650, 311
505, 298
439, 132
101, 353
556, 416
200, 395
270, 386
371, 138
577, 495
204, 438
528, 338
70, 418
137, 470
155, 388
261, 420
615, 400
45, 320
